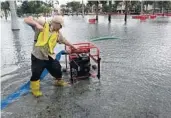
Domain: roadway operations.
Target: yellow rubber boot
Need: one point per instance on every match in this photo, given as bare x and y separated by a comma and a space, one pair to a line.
61, 83
35, 88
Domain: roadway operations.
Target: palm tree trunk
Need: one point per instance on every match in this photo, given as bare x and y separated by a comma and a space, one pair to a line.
14, 21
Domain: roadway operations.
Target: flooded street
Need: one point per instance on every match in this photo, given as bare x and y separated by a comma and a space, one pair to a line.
135, 71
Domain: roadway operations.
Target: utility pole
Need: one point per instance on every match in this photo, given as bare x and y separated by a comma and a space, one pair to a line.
14, 20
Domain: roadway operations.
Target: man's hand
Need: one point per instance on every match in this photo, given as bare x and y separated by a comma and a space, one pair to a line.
68, 51
30, 17
30, 21
73, 47
39, 27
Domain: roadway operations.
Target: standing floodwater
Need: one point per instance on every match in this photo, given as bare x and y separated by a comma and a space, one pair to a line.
135, 72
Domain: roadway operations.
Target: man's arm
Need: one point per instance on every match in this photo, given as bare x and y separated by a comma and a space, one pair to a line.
69, 44
29, 20
64, 41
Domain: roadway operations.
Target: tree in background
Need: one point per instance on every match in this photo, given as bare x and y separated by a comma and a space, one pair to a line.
134, 6
34, 7
87, 9
65, 9
75, 6
38, 7
116, 5
5, 7
163, 5
91, 3
105, 7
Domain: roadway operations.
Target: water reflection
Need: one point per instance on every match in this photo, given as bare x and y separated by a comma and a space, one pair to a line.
17, 46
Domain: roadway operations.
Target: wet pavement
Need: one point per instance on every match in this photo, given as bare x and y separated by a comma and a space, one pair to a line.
135, 72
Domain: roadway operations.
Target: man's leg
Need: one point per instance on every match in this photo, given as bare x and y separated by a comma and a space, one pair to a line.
37, 67
54, 68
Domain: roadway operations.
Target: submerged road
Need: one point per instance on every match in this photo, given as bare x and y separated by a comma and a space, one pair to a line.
135, 72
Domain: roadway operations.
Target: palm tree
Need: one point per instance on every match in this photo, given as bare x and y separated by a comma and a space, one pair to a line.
5, 8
